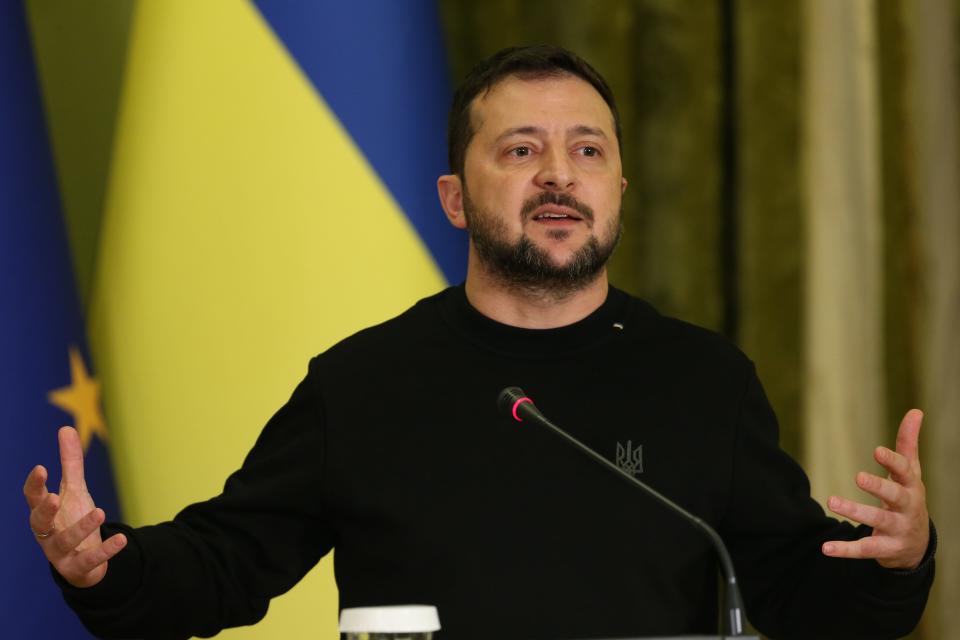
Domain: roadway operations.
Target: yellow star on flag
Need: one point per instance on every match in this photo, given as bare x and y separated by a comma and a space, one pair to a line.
82, 400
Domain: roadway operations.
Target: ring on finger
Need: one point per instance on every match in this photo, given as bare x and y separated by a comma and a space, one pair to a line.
44, 535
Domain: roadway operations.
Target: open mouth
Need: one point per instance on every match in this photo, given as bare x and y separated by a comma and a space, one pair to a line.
556, 215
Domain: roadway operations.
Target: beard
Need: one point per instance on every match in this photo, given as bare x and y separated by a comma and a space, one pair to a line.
523, 266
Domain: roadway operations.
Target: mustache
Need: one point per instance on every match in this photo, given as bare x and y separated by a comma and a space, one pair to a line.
560, 199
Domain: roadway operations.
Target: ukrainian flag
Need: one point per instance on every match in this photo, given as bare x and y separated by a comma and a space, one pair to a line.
46, 379
272, 191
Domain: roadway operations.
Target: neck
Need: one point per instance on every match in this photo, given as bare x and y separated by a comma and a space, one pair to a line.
532, 308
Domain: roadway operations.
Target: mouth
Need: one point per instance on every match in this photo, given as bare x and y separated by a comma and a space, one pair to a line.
556, 215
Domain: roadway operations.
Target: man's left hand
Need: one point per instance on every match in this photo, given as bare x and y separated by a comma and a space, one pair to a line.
901, 529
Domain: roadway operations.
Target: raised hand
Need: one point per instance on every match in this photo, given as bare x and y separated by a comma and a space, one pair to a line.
67, 525
900, 525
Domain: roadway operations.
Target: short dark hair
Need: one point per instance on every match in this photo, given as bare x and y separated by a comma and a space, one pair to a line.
528, 63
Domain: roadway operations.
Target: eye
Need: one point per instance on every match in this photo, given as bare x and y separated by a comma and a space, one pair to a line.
520, 152
589, 152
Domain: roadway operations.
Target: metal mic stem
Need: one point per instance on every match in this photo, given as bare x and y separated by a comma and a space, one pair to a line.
732, 592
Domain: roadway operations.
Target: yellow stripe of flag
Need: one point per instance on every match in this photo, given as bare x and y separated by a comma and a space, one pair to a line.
244, 232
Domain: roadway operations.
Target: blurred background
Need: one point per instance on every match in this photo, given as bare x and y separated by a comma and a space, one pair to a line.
241, 184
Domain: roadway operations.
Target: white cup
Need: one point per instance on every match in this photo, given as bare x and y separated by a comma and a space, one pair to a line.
396, 622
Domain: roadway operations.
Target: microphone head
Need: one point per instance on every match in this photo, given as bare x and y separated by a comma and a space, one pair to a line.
509, 399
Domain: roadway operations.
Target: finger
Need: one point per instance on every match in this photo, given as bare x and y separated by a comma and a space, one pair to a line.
35, 488
898, 465
71, 456
908, 435
866, 514
71, 537
869, 547
86, 561
891, 493
43, 515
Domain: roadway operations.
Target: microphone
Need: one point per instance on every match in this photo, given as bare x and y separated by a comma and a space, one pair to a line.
515, 403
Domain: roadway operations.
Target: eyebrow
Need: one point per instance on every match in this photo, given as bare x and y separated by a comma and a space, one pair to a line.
584, 130
580, 130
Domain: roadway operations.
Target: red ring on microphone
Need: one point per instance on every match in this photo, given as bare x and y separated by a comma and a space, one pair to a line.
517, 404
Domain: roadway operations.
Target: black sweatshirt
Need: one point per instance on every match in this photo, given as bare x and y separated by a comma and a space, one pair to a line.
392, 451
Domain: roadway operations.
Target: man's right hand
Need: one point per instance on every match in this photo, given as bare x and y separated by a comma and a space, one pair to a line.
67, 525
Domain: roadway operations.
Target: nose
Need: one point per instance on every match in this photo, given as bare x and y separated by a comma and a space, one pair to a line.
557, 171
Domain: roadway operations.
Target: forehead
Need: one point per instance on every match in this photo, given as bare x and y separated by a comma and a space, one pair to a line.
550, 102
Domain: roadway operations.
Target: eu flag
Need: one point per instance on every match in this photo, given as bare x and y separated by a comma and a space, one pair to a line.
46, 379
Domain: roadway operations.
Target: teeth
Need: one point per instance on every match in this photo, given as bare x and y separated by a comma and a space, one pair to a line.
552, 215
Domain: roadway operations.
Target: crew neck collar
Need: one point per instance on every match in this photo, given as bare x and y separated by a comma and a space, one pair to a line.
486, 332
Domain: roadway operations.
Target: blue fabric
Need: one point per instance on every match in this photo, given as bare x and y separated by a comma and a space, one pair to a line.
381, 67
41, 320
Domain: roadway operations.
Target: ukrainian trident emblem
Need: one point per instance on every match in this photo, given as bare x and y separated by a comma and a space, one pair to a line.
630, 458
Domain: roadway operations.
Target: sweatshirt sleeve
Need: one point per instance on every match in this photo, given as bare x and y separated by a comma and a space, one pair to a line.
775, 532
218, 563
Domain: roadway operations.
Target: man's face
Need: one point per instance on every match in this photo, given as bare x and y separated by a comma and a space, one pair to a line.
543, 183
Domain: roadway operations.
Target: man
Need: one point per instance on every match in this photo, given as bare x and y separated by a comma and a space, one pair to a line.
392, 450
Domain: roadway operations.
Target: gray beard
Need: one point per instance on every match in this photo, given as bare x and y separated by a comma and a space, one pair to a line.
525, 267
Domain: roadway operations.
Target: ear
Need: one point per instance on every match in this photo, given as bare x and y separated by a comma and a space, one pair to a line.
450, 190
623, 185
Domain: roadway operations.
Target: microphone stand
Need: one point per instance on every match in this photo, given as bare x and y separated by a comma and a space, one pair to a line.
513, 401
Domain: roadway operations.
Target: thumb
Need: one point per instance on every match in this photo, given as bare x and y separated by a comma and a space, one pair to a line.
71, 456
908, 435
